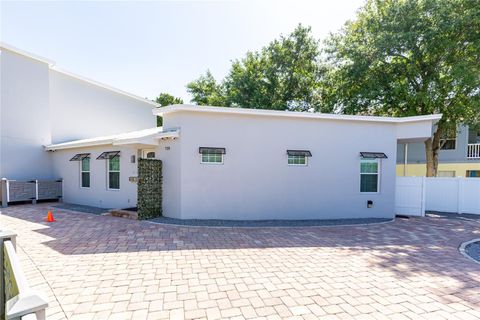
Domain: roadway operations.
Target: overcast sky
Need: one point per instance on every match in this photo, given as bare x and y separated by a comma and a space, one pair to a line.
151, 47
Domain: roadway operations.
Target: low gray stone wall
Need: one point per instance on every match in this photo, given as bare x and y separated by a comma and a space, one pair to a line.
21, 190
32, 190
49, 190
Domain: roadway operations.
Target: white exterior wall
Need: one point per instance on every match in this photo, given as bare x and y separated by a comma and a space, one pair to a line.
24, 118
255, 181
82, 110
169, 151
98, 194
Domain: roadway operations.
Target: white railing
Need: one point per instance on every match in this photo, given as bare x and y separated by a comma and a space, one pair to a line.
473, 151
17, 301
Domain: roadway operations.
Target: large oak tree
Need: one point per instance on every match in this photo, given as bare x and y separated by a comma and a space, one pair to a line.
407, 58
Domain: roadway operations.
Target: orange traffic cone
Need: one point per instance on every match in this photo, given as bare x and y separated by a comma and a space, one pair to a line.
50, 217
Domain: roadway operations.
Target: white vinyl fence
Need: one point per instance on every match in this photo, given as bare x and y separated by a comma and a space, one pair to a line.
414, 195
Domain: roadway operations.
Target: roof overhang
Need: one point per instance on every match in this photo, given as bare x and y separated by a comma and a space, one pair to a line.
291, 114
147, 137
417, 131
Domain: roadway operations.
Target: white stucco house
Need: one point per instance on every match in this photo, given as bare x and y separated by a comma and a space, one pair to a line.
218, 163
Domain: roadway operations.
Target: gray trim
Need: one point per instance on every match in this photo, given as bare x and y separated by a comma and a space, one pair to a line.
80, 156
373, 155
305, 153
108, 155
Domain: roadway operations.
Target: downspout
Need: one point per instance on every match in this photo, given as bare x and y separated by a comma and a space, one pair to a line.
405, 160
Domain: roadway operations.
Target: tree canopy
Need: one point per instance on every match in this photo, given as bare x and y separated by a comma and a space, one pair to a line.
165, 99
284, 75
406, 58
206, 91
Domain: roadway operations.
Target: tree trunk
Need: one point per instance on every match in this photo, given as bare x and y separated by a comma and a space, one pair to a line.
432, 146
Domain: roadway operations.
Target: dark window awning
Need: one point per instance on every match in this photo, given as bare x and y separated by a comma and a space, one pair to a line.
210, 150
373, 155
109, 155
80, 156
305, 153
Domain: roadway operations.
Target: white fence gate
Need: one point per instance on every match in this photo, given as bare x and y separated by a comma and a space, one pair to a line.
414, 195
410, 196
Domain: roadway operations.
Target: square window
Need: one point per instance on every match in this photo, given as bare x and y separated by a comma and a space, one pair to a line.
114, 164
85, 179
114, 180
369, 183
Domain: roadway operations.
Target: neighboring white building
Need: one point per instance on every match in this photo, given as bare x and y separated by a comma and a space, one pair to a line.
42, 104
228, 163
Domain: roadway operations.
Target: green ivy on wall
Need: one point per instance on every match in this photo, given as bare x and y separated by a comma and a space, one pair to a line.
149, 200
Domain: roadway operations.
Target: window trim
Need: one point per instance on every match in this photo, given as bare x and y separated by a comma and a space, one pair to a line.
379, 170
89, 173
108, 173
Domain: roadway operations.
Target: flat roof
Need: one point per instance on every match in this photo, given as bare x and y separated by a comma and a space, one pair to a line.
291, 114
52, 66
116, 139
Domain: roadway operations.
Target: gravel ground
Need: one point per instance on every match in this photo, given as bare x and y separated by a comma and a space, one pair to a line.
265, 223
80, 208
473, 250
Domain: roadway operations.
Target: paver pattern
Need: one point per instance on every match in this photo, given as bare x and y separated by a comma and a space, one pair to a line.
97, 267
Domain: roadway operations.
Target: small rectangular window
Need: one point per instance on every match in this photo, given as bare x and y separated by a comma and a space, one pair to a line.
114, 172
446, 173
298, 157
448, 139
212, 158
85, 172
369, 175
300, 160
473, 173
211, 155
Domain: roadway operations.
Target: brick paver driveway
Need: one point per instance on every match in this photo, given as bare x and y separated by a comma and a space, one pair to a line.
112, 268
